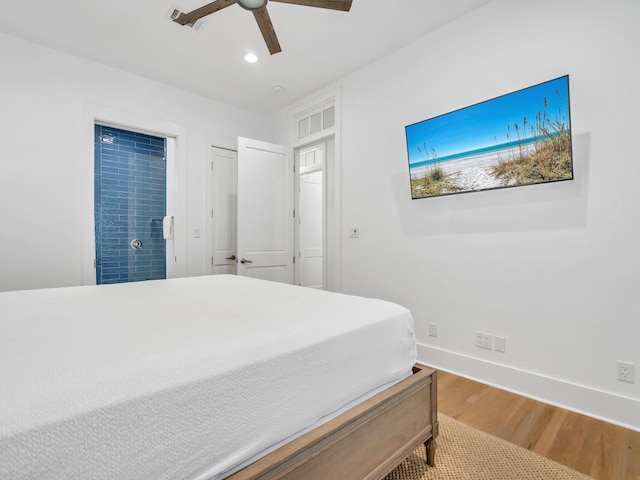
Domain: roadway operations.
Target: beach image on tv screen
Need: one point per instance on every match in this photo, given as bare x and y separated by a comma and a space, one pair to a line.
521, 138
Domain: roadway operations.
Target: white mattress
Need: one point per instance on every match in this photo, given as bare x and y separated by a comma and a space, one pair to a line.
183, 378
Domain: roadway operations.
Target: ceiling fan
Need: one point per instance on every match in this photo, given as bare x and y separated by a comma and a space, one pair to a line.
259, 9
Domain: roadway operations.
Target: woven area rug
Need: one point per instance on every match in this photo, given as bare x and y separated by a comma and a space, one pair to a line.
465, 453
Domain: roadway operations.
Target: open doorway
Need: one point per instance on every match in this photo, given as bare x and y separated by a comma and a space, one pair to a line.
130, 205
173, 136
310, 225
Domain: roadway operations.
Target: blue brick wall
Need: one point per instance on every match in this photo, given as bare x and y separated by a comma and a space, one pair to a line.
130, 202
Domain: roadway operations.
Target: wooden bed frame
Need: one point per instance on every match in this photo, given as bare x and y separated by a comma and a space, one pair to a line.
366, 442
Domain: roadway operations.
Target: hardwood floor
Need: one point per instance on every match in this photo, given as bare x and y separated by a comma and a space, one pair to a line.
594, 447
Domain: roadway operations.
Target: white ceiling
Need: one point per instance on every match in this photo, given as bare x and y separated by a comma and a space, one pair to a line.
319, 46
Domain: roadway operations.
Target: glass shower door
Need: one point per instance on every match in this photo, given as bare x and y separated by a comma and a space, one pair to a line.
130, 203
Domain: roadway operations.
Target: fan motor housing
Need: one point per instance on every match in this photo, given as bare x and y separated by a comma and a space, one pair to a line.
253, 5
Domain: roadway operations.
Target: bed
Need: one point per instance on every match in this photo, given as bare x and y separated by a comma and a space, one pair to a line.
208, 378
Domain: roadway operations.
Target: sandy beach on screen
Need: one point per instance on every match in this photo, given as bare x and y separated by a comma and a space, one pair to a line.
472, 172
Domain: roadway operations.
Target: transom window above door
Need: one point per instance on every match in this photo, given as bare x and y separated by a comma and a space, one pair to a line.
316, 121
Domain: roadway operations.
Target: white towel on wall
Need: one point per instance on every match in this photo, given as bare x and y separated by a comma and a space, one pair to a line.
167, 227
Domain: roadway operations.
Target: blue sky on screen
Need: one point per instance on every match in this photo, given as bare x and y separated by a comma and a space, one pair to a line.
478, 126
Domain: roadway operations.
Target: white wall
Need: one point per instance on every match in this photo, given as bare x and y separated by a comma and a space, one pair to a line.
553, 268
44, 189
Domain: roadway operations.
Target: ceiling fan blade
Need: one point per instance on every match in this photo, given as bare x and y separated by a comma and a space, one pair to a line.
268, 32
204, 11
344, 5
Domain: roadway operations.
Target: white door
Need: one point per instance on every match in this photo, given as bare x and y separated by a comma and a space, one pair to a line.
265, 211
310, 223
223, 210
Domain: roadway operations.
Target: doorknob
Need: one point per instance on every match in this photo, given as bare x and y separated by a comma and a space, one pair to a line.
232, 257
245, 261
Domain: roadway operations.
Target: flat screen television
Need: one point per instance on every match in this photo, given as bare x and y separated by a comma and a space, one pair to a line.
521, 138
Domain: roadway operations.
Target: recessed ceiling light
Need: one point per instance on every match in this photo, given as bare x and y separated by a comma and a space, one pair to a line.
277, 88
250, 58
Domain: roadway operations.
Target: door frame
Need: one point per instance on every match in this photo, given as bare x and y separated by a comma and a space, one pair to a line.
332, 183
176, 265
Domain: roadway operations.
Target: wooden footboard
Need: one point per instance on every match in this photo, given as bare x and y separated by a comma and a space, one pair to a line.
366, 442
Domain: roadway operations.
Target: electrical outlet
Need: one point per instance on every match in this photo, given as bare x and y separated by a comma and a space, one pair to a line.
433, 330
484, 340
500, 344
626, 372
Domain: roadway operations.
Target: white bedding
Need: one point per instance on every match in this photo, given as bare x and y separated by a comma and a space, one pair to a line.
183, 378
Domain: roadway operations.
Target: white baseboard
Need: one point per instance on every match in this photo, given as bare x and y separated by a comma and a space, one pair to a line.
599, 404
